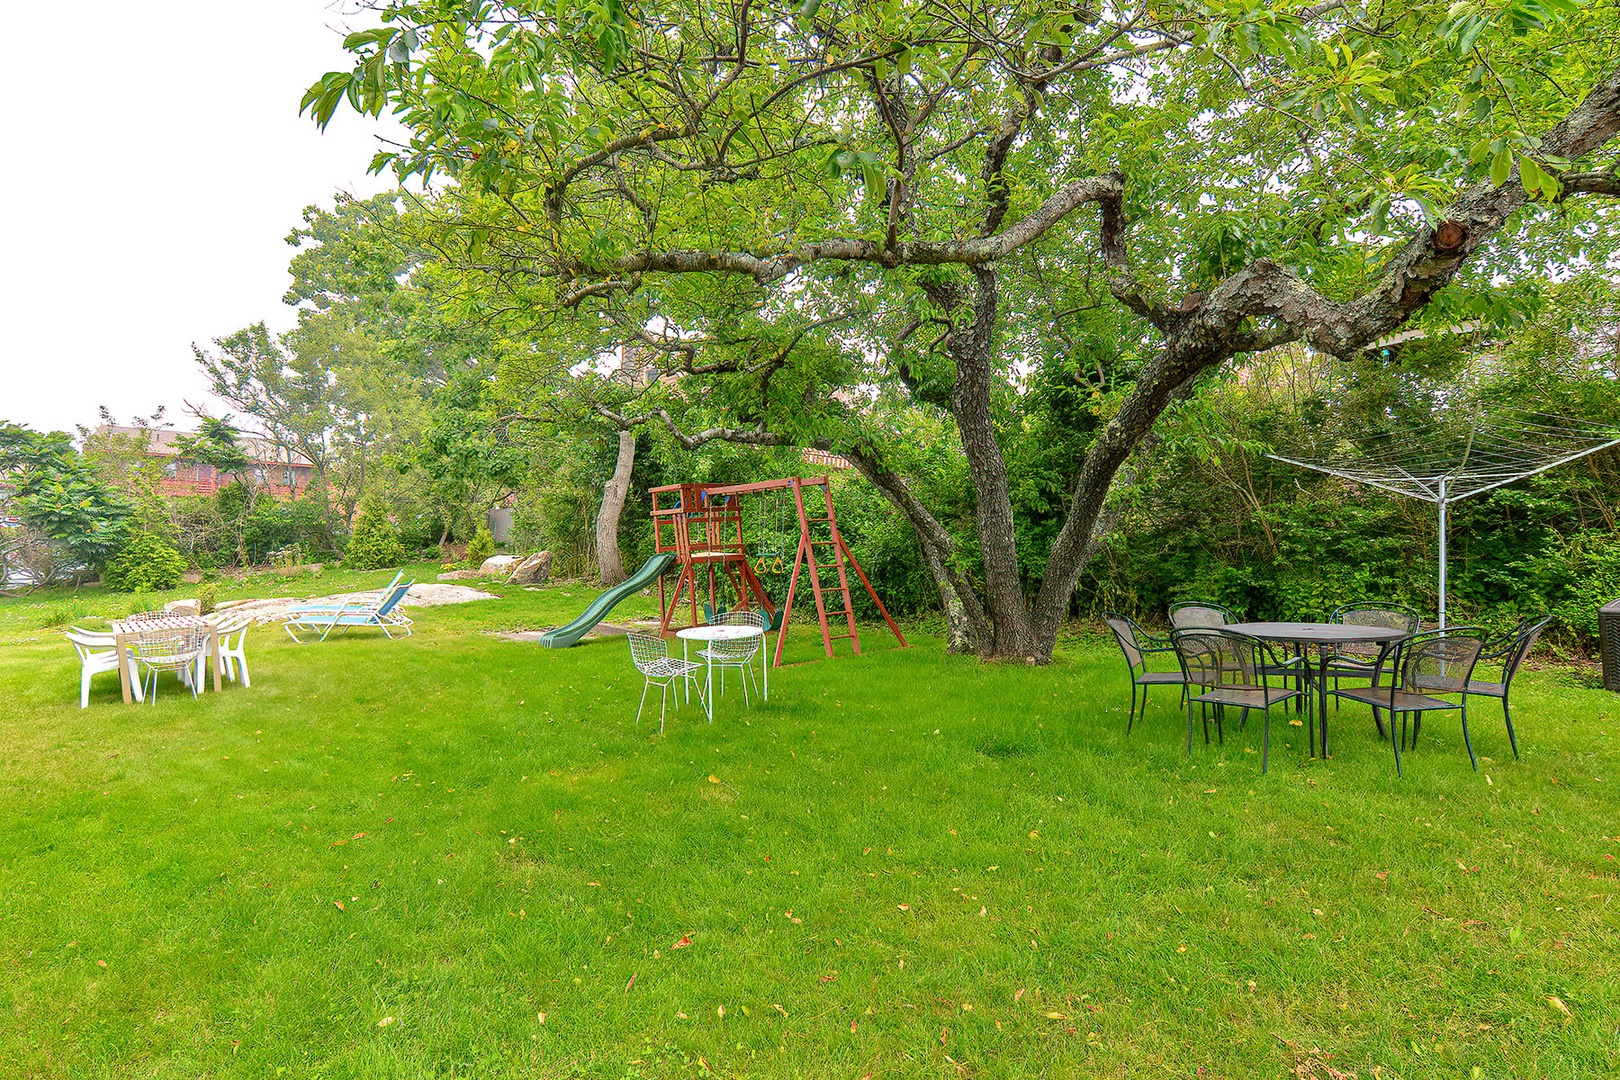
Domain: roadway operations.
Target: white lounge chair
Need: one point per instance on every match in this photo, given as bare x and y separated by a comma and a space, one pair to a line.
381, 613
98, 652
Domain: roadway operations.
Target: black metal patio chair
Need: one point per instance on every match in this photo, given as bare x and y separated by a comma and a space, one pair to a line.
1358, 661
1224, 668
1137, 645
1511, 648
1420, 667
1191, 614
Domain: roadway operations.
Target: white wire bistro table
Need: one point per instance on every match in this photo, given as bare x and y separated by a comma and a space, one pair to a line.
723, 633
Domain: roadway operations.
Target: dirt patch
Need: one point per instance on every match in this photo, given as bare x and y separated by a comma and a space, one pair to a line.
601, 630
428, 594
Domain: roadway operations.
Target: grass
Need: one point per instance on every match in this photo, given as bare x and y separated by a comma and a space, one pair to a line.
392, 859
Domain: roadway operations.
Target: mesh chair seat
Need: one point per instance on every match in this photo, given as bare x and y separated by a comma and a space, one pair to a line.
1395, 701
1487, 689
668, 666
1161, 678
1246, 697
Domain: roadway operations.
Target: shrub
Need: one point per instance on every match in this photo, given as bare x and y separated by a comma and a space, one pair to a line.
206, 598
373, 544
480, 547
145, 561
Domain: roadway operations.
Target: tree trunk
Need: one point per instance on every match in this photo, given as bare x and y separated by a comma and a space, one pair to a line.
970, 406
966, 628
614, 492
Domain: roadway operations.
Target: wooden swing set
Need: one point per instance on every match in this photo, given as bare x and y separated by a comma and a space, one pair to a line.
702, 524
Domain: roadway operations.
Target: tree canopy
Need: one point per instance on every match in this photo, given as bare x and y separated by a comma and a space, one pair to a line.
842, 223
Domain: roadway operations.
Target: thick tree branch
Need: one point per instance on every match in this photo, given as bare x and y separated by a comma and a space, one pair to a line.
1218, 328
772, 266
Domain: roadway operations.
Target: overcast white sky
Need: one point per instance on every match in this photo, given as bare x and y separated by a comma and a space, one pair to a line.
157, 162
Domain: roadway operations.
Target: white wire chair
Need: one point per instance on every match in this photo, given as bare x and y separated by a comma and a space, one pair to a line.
651, 657
736, 653
98, 652
177, 650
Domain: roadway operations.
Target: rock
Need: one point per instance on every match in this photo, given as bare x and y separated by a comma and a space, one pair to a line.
461, 575
533, 570
497, 564
182, 607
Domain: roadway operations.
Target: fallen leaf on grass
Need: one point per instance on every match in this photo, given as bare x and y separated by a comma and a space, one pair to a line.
1558, 1003
721, 1013
713, 779
1382, 875
385, 1021
339, 904
631, 983
903, 907
1056, 1016
686, 939
541, 1017
1018, 996
103, 963
779, 1009
852, 1026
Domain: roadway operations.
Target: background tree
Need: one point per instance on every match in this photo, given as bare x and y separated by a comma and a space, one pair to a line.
59, 495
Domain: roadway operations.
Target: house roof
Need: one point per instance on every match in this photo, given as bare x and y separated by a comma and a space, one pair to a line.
260, 451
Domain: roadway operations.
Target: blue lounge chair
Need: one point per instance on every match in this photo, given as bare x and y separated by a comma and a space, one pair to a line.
383, 613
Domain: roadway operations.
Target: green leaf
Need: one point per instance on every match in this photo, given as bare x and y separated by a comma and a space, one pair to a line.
1530, 175
1501, 166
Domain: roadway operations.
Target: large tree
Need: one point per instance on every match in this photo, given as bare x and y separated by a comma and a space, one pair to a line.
885, 199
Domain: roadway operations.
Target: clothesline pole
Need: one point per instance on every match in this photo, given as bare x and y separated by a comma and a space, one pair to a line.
1442, 553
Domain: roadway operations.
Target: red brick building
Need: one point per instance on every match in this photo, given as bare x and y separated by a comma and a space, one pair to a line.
275, 471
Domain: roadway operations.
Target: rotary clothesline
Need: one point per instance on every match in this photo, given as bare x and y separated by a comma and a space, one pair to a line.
1496, 451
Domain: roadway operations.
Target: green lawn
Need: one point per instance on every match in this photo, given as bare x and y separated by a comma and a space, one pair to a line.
457, 855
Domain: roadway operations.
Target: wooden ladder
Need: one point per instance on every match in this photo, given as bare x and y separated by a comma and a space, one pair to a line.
843, 560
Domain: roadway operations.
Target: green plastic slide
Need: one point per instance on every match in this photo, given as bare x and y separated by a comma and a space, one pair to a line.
650, 571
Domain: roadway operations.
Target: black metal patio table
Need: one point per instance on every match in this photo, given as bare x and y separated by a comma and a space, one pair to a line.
1302, 635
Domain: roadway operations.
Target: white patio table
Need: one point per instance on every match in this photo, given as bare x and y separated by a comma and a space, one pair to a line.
721, 633
124, 629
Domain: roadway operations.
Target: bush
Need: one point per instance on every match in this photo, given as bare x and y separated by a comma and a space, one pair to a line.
374, 544
206, 600
480, 547
146, 561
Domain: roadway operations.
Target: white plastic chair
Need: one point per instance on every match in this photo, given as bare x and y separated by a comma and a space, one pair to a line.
651, 657
232, 631
737, 653
97, 653
180, 651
